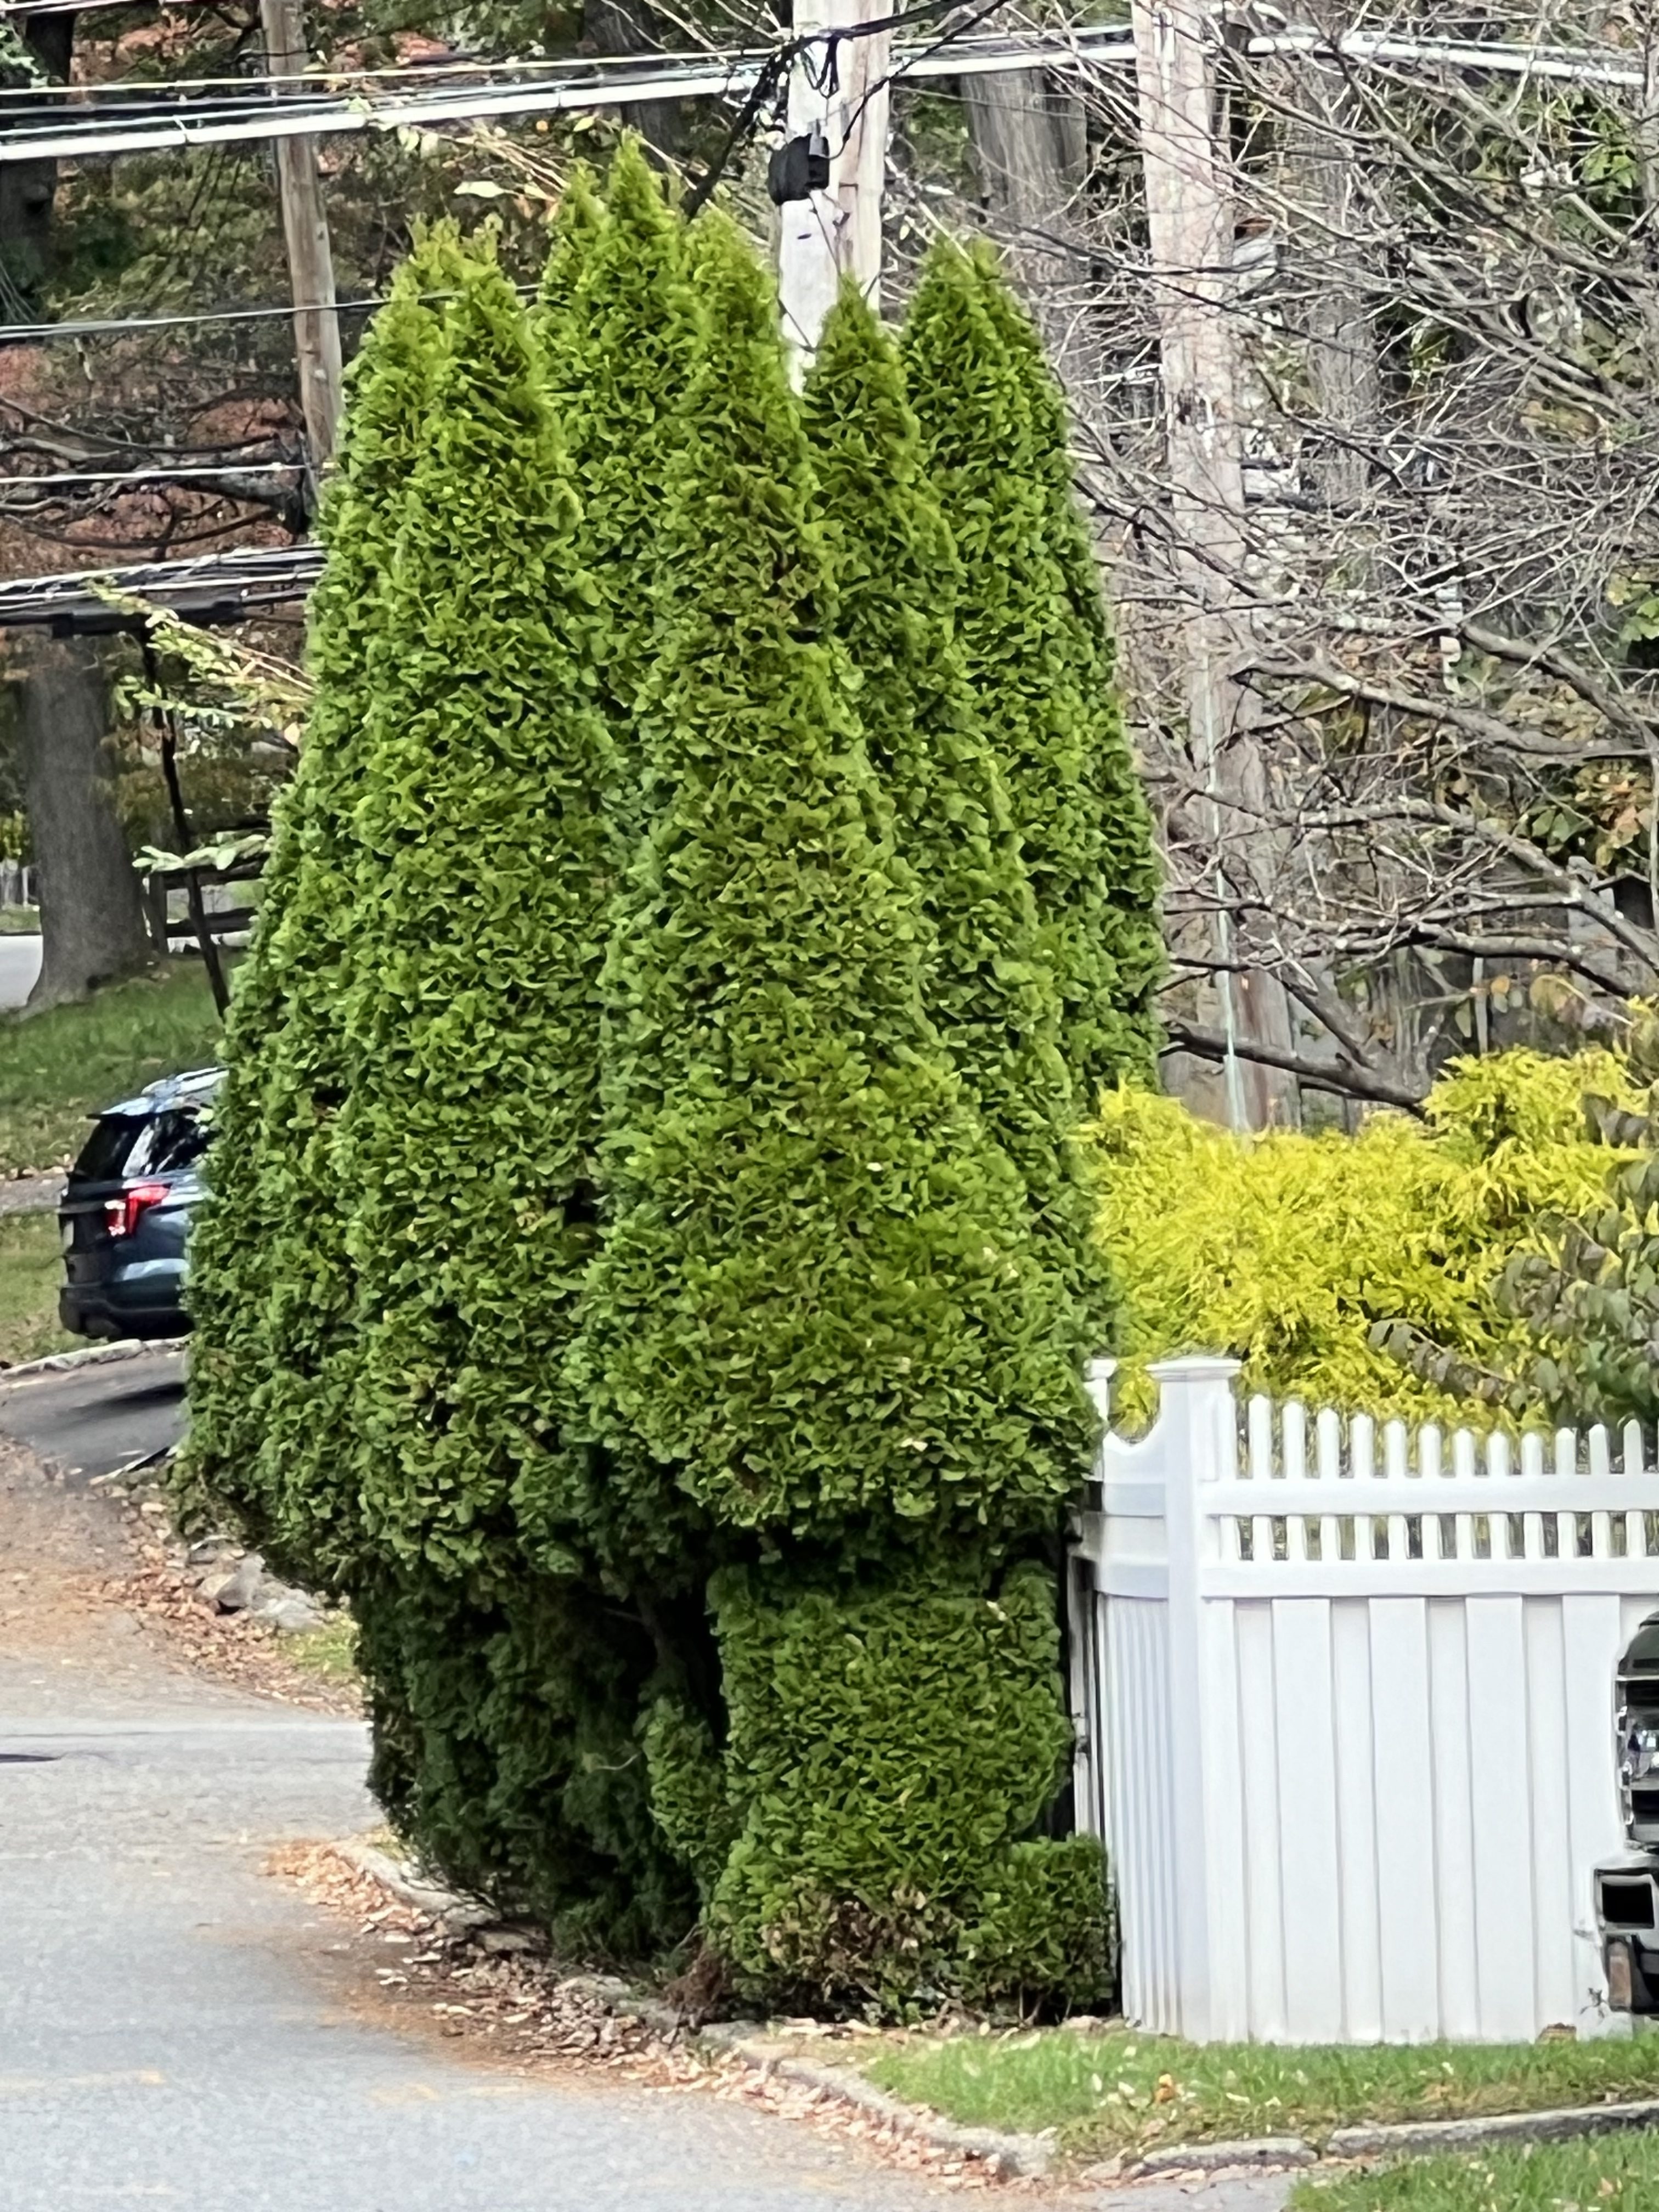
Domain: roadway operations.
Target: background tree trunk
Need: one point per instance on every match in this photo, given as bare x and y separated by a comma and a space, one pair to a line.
28, 188
92, 922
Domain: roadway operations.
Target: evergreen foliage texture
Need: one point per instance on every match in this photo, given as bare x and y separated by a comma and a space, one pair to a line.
899, 584
468, 1138
645, 1271
818, 1304
273, 1295
1040, 657
892, 1750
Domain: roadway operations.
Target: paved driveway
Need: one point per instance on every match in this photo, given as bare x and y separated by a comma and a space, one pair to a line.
90, 1419
20, 963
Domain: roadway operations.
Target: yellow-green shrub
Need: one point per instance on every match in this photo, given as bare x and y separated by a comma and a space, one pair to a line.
1286, 1249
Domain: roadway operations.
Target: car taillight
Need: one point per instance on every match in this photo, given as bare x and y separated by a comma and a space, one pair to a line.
121, 1214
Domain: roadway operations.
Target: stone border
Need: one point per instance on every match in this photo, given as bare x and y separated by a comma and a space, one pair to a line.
90, 1355
1002, 2155
1561, 2125
1008, 2156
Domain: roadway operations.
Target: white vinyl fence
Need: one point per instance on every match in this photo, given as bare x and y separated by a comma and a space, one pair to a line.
1345, 1712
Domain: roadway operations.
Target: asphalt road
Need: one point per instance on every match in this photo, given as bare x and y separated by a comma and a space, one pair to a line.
90, 1419
20, 963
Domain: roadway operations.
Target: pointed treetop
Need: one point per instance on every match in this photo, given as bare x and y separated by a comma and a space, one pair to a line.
576, 229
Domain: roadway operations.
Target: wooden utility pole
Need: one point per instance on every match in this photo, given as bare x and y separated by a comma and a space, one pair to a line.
310, 261
838, 86
1189, 218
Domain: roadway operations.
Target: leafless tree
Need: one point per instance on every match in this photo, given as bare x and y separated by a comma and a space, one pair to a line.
1431, 336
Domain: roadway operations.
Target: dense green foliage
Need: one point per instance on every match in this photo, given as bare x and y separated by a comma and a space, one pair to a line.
654, 1189
816, 1304
467, 1142
1385, 1272
1039, 656
274, 1292
619, 331
890, 1750
898, 583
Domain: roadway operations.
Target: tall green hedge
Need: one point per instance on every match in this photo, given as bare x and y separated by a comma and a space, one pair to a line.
509, 1689
816, 1305
273, 1295
1040, 656
892, 1752
469, 1137
666, 1316
899, 585
622, 321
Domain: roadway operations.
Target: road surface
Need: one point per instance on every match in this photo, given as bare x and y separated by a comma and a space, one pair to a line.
90, 1419
20, 963
179, 2026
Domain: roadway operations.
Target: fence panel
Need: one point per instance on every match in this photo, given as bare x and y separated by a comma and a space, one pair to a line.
1345, 1700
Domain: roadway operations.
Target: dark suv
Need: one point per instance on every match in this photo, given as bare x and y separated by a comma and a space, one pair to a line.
126, 1209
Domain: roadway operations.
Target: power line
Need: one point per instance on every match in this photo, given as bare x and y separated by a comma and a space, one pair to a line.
119, 325
588, 85
159, 475
210, 588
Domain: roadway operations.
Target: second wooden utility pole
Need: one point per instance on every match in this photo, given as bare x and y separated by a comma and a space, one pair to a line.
838, 86
1189, 224
305, 225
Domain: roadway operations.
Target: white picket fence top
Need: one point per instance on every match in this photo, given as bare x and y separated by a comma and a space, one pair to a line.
1328, 1504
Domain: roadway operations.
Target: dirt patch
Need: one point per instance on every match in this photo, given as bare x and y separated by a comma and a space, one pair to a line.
526, 2013
91, 1578
230, 1647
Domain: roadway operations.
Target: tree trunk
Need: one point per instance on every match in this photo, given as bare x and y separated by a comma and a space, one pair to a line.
92, 922
628, 27
1030, 150
28, 188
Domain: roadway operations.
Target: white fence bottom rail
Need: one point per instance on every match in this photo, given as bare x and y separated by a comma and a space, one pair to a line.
1347, 1730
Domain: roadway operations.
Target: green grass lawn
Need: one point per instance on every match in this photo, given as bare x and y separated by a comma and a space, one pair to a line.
1119, 2090
59, 1067
1611, 2173
29, 1276
19, 922
329, 1652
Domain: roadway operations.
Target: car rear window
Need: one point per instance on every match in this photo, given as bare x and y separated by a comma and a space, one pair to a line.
139, 1145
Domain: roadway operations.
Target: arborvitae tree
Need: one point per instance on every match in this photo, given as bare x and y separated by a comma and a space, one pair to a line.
506, 1693
621, 334
272, 1291
1039, 658
818, 1307
898, 582
576, 229
1131, 865
468, 1136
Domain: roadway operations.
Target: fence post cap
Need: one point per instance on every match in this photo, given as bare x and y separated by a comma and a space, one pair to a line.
1196, 1367
1097, 1381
